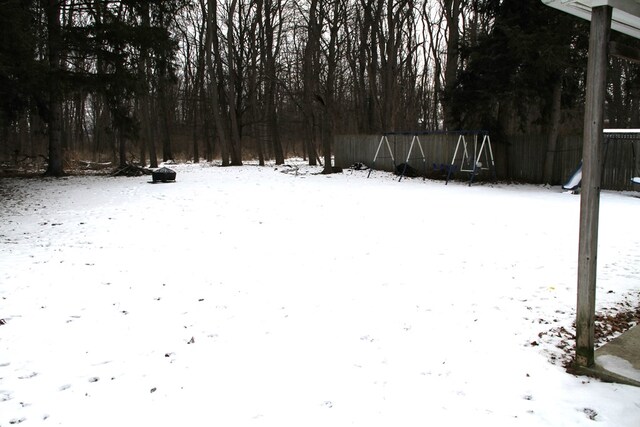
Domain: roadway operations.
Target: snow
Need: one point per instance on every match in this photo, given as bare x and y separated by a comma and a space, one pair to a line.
619, 366
247, 296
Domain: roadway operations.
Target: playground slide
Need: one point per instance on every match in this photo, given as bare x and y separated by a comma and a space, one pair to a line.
574, 180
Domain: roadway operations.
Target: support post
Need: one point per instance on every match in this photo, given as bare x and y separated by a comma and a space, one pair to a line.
591, 179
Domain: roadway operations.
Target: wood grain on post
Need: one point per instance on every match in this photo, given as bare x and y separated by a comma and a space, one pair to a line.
591, 178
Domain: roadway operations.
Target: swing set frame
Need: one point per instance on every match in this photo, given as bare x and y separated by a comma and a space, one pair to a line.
474, 147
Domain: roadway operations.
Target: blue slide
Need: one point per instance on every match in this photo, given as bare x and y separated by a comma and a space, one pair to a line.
574, 180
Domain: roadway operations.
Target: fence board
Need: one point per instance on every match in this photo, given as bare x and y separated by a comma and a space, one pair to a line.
519, 158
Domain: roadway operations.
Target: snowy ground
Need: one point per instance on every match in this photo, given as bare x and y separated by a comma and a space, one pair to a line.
247, 296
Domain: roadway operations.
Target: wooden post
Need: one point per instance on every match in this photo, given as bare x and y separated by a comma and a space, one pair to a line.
591, 178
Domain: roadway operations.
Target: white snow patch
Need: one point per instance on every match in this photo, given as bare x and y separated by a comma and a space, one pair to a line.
618, 366
246, 296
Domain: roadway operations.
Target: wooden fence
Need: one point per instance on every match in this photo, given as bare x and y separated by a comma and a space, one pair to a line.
517, 158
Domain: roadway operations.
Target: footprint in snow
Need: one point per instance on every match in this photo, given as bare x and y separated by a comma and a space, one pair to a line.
27, 376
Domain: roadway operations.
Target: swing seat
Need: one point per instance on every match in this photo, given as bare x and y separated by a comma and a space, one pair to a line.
443, 167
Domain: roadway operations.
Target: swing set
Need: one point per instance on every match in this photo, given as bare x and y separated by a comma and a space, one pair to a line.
472, 154
473, 164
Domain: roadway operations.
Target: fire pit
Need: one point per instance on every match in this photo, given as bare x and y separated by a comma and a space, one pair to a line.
163, 175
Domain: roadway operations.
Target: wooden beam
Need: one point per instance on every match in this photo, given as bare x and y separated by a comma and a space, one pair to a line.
623, 51
592, 155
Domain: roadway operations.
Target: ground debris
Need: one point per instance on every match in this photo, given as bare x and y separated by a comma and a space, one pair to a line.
131, 170
609, 324
618, 320
590, 413
87, 165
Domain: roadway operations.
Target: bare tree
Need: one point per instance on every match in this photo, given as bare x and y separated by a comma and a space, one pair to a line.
233, 66
254, 51
335, 16
214, 71
451, 10
433, 38
311, 79
147, 131
52, 10
554, 129
271, 33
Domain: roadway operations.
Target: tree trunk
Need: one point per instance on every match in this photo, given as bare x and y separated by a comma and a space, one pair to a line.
235, 146
330, 89
389, 69
452, 14
147, 141
433, 104
194, 134
269, 48
554, 129
4, 140
150, 132
55, 163
122, 144
199, 111
210, 44
207, 126
165, 120
373, 106
163, 99
360, 74
310, 80
255, 116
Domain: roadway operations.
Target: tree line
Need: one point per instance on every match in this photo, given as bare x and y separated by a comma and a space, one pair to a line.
138, 81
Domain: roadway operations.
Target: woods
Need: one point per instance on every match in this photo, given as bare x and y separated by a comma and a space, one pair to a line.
137, 81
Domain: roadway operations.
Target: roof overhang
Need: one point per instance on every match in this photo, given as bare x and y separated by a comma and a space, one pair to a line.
626, 13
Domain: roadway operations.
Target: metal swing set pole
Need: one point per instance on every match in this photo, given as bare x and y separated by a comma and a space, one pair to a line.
465, 155
406, 162
375, 157
485, 145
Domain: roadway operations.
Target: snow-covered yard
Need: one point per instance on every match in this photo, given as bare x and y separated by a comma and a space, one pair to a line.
247, 296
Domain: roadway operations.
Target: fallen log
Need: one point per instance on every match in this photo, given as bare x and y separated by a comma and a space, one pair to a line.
131, 170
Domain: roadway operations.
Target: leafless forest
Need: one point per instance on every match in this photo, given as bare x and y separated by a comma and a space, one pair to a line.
135, 81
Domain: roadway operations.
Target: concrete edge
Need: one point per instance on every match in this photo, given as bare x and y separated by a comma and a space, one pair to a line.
600, 373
